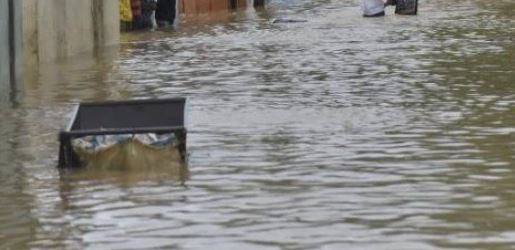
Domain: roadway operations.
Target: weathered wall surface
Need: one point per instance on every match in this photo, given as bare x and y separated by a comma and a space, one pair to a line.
10, 46
56, 29
4, 45
202, 6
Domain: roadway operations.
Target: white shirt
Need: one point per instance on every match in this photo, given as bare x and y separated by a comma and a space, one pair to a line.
372, 7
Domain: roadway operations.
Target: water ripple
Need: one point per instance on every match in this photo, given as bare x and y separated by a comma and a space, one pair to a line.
335, 133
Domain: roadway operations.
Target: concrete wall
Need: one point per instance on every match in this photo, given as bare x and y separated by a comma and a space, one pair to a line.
57, 29
10, 47
4, 46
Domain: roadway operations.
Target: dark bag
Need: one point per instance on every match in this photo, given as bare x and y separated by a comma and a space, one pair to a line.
406, 7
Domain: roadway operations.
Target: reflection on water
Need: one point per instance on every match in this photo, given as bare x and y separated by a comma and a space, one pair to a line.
336, 133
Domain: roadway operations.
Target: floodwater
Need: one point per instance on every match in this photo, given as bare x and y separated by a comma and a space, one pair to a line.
336, 133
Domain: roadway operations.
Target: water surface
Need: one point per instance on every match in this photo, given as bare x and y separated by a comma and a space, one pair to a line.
336, 133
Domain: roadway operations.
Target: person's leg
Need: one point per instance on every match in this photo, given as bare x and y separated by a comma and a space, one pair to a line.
173, 11
259, 3
153, 19
136, 23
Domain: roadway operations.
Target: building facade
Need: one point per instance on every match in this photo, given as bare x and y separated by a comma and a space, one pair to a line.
56, 29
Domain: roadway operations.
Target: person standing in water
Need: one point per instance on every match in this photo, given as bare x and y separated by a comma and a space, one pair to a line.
373, 8
125, 15
142, 12
165, 13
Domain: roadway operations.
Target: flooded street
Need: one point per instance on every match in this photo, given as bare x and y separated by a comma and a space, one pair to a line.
336, 133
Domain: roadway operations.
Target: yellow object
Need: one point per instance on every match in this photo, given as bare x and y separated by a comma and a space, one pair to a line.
125, 10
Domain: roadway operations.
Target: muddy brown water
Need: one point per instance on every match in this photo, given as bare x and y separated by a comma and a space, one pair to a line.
336, 133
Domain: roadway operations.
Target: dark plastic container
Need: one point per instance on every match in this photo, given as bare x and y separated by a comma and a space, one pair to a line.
123, 117
406, 7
